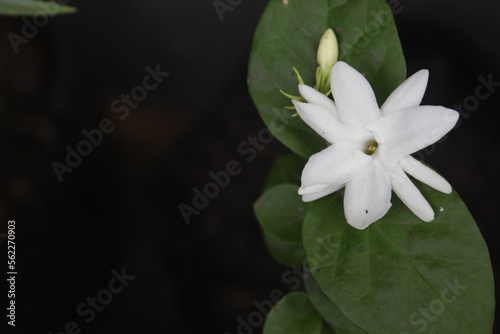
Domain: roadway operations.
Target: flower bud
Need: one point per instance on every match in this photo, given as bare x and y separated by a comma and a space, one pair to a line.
328, 50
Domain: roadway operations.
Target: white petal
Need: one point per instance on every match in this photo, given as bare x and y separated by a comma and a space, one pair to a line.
325, 192
411, 196
335, 165
325, 124
410, 130
367, 198
425, 174
390, 161
313, 189
315, 97
409, 94
354, 97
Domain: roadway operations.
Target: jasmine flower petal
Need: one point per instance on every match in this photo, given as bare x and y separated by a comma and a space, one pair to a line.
409, 94
411, 196
315, 97
424, 174
324, 123
410, 130
337, 164
314, 188
356, 102
367, 198
327, 190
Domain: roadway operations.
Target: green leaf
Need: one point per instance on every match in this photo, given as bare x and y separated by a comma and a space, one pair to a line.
288, 36
33, 7
327, 329
401, 275
329, 311
294, 314
280, 212
287, 168
286, 253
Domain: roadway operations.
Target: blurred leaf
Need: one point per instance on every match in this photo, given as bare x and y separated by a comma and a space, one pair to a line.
280, 212
287, 168
294, 314
33, 8
401, 275
326, 329
329, 311
286, 253
288, 36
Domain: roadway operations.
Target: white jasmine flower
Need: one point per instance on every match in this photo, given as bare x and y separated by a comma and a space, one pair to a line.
371, 146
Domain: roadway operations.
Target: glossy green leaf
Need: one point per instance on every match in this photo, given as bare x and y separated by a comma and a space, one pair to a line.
287, 168
329, 311
288, 36
33, 7
401, 275
280, 212
294, 314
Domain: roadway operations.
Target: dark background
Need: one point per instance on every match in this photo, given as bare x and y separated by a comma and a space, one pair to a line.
119, 207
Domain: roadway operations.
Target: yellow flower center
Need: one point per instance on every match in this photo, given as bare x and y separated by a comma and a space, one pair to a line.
371, 147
